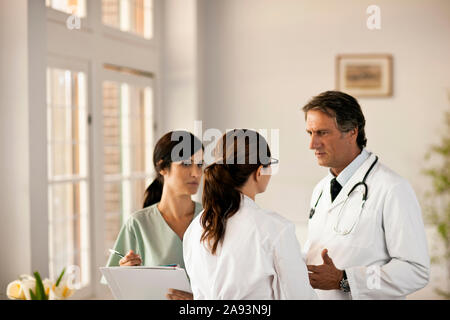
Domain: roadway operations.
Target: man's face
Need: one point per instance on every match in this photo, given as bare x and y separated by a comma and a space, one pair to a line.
332, 147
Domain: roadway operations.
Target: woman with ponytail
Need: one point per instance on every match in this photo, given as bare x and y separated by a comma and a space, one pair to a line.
153, 236
234, 249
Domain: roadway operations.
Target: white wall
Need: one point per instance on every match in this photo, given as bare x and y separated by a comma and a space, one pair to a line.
262, 60
179, 65
13, 143
23, 133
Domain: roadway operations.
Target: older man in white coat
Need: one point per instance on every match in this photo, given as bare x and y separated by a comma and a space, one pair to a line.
366, 238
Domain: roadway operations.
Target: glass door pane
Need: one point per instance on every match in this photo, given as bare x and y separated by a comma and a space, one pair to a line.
134, 16
67, 147
127, 151
76, 7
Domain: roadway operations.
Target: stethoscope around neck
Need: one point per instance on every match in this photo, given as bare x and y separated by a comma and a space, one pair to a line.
364, 198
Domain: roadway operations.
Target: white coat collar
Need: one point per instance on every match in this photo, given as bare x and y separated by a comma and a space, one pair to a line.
356, 177
350, 170
246, 200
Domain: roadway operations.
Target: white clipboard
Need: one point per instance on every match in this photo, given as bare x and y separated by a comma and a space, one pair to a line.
145, 283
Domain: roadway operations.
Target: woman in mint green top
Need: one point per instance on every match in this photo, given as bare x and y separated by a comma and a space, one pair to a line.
148, 235
153, 235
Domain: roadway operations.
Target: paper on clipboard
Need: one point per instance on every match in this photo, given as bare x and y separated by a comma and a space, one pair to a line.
145, 283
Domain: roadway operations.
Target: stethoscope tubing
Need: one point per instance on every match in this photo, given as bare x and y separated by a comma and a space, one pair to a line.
363, 182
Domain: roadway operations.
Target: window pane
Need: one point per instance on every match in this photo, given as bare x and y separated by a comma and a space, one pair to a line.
127, 152
110, 13
135, 16
68, 174
111, 129
76, 7
114, 207
68, 228
113, 213
67, 116
138, 189
112, 160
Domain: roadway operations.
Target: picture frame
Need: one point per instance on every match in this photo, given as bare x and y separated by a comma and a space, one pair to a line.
364, 75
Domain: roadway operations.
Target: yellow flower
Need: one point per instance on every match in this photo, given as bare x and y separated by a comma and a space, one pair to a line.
15, 290
20, 289
61, 292
27, 285
48, 284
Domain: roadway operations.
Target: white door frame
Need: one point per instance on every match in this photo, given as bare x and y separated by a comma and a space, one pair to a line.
89, 49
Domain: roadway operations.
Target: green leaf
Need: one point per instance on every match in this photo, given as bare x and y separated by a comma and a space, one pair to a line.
438, 210
442, 229
60, 277
32, 295
443, 293
40, 291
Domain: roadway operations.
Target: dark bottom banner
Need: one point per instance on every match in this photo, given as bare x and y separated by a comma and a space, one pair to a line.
179, 310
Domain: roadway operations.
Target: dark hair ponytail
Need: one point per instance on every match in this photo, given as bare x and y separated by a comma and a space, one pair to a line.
153, 193
231, 170
173, 146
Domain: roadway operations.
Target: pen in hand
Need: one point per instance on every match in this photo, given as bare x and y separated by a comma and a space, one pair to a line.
130, 259
116, 252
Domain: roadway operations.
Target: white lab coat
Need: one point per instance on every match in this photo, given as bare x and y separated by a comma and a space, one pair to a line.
260, 258
385, 256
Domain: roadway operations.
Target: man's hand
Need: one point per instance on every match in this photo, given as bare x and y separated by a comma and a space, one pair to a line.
174, 294
325, 276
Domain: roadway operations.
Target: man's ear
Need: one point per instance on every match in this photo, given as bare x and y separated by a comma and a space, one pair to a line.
353, 133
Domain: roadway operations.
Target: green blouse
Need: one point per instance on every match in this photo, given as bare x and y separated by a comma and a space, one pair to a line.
148, 234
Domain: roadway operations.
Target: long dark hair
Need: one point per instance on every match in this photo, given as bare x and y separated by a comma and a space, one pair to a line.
239, 153
171, 147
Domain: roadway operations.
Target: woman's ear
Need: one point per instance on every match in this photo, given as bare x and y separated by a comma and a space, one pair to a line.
162, 171
258, 173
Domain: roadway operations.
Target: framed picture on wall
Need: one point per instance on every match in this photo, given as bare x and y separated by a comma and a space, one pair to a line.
364, 75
